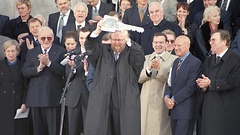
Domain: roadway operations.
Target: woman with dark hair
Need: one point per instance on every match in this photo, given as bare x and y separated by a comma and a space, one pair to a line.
18, 25
13, 89
188, 28
123, 6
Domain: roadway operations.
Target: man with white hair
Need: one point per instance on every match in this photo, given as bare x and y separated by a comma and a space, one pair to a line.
46, 74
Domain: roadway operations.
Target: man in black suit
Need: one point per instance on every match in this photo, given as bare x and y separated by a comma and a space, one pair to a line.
96, 10
233, 7
80, 13
138, 15
59, 19
221, 87
3, 20
157, 24
46, 74
181, 94
225, 16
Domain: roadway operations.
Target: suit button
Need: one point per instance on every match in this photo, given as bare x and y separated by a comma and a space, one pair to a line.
12, 83
111, 77
4, 92
13, 91
217, 87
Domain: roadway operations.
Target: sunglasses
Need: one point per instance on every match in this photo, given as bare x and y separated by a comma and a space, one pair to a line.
171, 41
44, 38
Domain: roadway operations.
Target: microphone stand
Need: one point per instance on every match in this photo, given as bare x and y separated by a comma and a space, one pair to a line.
63, 99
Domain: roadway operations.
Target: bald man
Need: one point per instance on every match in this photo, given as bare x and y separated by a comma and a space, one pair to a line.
182, 93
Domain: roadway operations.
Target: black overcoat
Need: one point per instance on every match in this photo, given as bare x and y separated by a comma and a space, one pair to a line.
221, 112
12, 96
128, 68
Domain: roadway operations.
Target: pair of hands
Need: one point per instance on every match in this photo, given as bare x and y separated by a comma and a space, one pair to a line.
169, 102
154, 64
203, 82
72, 63
44, 60
96, 20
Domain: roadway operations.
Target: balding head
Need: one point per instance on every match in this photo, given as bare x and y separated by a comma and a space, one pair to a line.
182, 45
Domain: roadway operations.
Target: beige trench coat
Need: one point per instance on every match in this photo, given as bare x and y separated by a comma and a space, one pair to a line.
154, 113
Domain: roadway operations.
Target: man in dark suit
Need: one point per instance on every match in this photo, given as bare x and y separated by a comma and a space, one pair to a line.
59, 19
3, 20
77, 94
225, 16
96, 10
220, 84
181, 94
46, 74
157, 24
80, 13
138, 15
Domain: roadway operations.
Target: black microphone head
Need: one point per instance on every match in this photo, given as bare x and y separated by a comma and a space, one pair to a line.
75, 51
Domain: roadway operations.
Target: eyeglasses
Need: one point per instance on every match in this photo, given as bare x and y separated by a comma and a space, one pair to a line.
44, 38
119, 40
171, 41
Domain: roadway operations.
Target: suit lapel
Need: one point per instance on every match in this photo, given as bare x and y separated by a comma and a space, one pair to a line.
53, 50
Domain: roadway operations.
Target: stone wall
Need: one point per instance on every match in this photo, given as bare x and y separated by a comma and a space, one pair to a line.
44, 7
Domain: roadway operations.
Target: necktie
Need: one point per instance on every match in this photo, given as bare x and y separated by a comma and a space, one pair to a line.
61, 22
78, 27
37, 41
95, 10
224, 4
116, 56
218, 59
45, 51
141, 14
178, 65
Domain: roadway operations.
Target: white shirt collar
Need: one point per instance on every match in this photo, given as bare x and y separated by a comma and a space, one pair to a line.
47, 49
221, 54
98, 5
82, 24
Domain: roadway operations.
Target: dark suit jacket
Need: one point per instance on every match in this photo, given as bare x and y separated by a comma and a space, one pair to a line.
15, 27
132, 17
103, 10
184, 88
46, 86
145, 38
3, 21
236, 43
221, 100
77, 90
53, 20
225, 17
72, 26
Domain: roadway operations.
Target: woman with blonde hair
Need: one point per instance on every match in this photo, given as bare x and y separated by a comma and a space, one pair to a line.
18, 26
211, 22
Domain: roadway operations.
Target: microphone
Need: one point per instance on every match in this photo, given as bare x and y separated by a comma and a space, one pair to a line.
73, 52
83, 55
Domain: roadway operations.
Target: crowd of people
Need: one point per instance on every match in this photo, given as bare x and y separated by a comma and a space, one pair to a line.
181, 74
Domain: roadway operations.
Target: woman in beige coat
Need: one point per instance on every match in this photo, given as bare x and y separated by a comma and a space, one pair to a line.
154, 76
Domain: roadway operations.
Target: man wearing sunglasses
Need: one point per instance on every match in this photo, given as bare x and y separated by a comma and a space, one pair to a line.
45, 72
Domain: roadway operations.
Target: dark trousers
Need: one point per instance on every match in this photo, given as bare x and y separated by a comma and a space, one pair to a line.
46, 120
113, 119
182, 127
75, 119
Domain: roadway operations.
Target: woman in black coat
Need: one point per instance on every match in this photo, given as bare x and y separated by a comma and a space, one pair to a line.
211, 22
12, 91
19, 25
